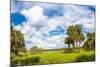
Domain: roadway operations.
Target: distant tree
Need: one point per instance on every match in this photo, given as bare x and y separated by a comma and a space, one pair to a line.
36, 50
33, 48
17, 41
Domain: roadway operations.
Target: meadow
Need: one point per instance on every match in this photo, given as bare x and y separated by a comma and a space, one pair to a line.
54, 57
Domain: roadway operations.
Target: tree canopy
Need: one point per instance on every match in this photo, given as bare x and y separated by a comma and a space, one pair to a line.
17, 41
90, 42
75, 35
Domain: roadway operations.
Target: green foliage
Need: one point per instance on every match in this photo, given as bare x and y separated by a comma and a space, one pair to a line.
38, 56
52, 57
84, 58
69, 41
89, 44
36, 50
26, 60
68, 50
91, 35
57, 57
17, 41
75, 36
22, 54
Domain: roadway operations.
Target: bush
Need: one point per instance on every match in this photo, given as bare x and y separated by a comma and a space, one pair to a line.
68, 50
21, 54
28, 60
84, 58
36, 50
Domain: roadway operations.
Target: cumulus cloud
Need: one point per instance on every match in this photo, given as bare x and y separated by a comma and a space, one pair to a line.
37, 29
34, 16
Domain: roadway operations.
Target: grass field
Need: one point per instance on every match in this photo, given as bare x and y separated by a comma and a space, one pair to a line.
58, 57
54, 57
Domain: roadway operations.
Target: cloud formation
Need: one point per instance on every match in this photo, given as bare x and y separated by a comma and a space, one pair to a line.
47, 23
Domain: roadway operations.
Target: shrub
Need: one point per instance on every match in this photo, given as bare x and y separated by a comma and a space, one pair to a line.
36, 50
21, 54
28, 60
68, 50
84, 58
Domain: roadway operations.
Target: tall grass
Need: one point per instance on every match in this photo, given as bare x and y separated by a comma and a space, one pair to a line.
55, 57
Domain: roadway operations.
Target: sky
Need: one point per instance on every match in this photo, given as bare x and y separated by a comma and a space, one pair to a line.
44, 24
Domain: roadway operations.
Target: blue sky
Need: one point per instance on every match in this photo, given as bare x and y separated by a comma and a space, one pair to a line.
17, 18
44, 24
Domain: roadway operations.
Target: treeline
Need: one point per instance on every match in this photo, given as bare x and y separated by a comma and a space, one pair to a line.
75, 38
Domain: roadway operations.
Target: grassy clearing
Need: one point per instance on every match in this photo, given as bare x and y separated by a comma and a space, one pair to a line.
54, 57
58, 57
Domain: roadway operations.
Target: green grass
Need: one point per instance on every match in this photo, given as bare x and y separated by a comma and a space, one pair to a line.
58, 57
55, 57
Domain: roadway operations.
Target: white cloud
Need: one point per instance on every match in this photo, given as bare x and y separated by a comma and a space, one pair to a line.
35, 17
34, 13
38, 24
